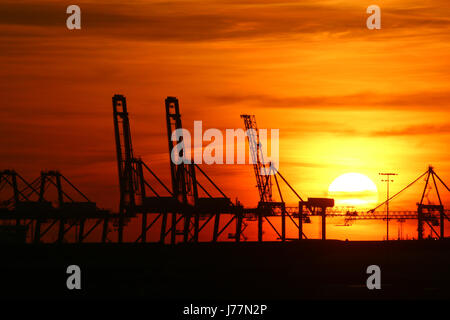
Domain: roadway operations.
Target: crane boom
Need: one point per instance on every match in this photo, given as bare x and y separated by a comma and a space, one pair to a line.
261, 169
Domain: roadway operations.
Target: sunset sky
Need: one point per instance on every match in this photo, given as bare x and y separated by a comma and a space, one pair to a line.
345, 98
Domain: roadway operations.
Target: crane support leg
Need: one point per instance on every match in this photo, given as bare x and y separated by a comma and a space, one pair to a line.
196, 226
144, 228
163, 227
174, 228
300, 222
37, 231
216, 227
61, 231
187, 223
81, 231
419, 224
260, 227
120, 233
105, 230
238, 227
324, 223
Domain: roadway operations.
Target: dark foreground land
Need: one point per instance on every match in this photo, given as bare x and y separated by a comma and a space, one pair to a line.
310, 269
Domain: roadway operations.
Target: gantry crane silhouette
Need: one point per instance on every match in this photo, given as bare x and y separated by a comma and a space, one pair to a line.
52, 209
184, 202
428, 214
264, 171
49, 203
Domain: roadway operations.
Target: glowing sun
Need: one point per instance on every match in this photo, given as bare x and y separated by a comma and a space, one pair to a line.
353, 189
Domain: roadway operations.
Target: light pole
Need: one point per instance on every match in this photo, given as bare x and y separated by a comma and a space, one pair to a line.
387, 180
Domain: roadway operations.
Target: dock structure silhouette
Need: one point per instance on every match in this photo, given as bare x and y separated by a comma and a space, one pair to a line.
180, 213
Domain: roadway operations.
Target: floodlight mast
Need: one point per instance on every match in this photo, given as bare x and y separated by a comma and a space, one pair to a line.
387, 180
